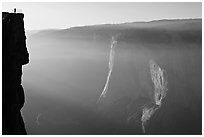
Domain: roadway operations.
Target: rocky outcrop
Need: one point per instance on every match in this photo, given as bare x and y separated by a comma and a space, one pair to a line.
14, 55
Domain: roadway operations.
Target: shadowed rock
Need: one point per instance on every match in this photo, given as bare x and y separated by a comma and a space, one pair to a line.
14, 55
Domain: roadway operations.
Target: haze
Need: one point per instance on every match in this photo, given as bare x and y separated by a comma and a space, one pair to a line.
39, 15
69, 67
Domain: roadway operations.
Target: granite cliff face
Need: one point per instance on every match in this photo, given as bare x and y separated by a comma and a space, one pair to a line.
76, 70
14, 55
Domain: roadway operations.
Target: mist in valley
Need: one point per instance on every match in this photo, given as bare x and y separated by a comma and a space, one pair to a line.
68, 70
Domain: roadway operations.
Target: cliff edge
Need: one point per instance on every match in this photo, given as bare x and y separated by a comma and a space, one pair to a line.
14, 55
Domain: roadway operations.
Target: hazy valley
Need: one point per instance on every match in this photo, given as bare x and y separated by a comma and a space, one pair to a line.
68, 70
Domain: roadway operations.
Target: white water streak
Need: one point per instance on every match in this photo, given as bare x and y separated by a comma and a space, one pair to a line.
111, 62
160, 82
160, 87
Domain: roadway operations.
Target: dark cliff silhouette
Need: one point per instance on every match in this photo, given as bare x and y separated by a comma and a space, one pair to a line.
14, 55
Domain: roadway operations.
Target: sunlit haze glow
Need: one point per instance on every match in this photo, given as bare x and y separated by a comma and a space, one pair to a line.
42, 15
104, 79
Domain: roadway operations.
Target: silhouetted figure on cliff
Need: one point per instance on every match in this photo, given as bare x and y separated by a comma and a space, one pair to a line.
14, 55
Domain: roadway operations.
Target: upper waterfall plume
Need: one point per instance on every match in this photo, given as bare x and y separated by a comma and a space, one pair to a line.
111, 62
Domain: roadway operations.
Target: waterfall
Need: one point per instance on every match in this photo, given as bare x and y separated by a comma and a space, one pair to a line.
111, 62
159, 80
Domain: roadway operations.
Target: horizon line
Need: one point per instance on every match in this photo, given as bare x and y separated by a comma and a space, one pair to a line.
91, 25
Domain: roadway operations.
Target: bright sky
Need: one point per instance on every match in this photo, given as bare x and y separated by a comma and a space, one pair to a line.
44, 15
